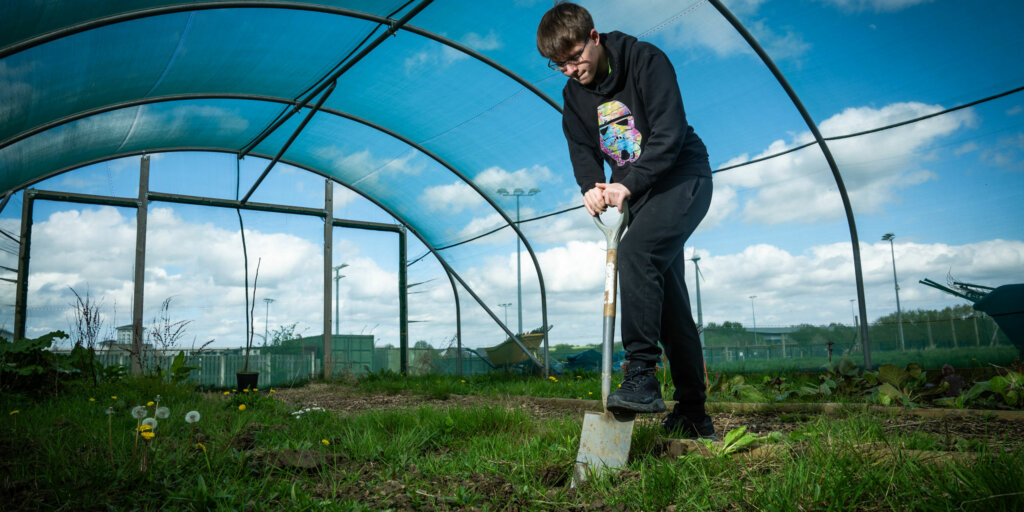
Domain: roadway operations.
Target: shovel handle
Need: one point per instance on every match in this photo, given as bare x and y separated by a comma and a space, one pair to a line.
612, 234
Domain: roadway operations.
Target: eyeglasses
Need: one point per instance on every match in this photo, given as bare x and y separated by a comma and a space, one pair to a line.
576, 59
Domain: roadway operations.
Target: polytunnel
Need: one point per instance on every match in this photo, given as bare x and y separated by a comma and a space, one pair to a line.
828, 122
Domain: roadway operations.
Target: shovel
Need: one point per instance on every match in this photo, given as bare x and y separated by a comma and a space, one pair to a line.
605, 440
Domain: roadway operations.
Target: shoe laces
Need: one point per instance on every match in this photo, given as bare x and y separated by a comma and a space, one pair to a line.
634, 378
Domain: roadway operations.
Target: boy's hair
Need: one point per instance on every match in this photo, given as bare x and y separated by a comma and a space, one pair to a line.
564, 26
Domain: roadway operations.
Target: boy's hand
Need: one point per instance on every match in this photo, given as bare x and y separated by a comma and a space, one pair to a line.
593, 199
614, 194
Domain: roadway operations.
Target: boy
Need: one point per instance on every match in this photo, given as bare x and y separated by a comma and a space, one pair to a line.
622, 106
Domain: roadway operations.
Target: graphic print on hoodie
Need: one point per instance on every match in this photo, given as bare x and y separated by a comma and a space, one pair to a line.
619, 137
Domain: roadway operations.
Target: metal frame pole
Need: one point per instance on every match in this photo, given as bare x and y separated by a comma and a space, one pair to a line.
141, 216
403, 304
328, 369
24, 251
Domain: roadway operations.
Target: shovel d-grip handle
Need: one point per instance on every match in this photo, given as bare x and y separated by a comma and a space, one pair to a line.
612, 234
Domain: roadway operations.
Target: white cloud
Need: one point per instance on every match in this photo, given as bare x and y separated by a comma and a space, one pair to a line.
451, 198
437, 56
692, 25
493, 178
875, 5
875, 167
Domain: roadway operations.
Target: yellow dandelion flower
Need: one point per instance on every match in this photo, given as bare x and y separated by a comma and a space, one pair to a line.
16, 411
149, 403
590, 392
463, 381
272, 390
91, 399
113, 397
145, 428
226, 393
255, 389
234, 391
147, 435
325, 442
246, 390
241, 407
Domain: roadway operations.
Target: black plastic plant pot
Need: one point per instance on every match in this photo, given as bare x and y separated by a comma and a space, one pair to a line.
247, 380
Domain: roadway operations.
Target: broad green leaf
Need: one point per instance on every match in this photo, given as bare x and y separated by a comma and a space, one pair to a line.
998, 384
889, 390
914, 370
824, 389
847, 367
892, 374
734, 435
1012, 397
977, 389
750, 394
740, 443
885, 399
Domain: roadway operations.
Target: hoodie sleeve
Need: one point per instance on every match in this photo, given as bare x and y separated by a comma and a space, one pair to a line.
583, 151
663, 106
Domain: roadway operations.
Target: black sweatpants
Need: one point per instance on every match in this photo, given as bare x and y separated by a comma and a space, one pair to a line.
655, 304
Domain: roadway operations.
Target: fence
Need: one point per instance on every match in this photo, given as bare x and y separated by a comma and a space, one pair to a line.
218, 370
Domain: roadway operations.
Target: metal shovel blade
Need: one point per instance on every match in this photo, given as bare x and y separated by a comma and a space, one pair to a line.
604, 443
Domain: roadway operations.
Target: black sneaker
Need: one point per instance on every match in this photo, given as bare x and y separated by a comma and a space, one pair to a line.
640, 392
679, 424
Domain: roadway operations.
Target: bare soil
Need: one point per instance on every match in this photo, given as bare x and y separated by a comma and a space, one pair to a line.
992, 431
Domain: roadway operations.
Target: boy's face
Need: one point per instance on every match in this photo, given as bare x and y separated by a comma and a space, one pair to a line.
582, 62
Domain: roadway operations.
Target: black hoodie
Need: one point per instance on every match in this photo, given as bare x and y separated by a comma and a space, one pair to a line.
634, 119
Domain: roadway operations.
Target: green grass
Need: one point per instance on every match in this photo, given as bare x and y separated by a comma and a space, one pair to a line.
55, 454
931, 359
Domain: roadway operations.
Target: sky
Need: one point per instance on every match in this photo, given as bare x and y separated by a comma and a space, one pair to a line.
774, 248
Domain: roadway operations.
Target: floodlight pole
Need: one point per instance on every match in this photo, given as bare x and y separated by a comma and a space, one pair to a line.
505, 307
754, 316
266, 322
896, 284
337, 313
519, 263
700, 313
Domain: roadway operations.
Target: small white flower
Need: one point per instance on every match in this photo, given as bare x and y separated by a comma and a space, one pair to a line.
192, 417
163, 412
139, 412
151, 422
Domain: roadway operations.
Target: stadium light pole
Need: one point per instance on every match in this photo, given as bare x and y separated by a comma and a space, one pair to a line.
754, 317
266, 321
518, 192
505, 306
700, 313
899, 313
337, 313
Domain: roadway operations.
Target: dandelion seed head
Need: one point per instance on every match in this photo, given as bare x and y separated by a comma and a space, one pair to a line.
163, 412
192, 417
138, 412
151, 422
